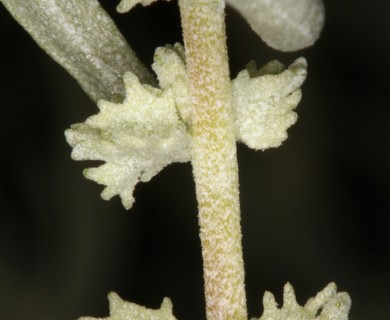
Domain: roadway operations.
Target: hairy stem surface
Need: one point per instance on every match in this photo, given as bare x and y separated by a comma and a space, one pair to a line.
214, 158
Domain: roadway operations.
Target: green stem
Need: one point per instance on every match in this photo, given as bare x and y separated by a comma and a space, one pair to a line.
214, 157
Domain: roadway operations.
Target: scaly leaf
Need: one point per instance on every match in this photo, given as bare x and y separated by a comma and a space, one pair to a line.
326, 305
123, 310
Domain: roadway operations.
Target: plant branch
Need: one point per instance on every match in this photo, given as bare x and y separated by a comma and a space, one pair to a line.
214, 158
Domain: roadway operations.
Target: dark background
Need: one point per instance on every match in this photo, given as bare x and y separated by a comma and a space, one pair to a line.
315, 210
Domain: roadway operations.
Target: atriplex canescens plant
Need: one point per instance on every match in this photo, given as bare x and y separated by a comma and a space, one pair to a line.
194, 113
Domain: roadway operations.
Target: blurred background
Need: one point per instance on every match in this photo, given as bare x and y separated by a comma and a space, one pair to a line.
315, 210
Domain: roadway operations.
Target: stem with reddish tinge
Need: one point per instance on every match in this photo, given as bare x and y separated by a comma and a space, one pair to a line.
214, 158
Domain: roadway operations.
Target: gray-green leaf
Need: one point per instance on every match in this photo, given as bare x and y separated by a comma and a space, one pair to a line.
286, 25
81, 37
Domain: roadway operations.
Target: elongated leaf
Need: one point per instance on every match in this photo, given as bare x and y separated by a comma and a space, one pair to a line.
82, 37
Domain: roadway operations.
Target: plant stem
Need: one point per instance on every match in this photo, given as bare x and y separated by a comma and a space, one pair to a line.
214, 158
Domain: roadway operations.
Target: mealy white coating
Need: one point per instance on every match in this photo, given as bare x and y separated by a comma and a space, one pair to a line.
123, 310
82, 38
152, 127
263, 103
214, 161
286, 25
127, 5
326, 305
169, 65
136, 139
